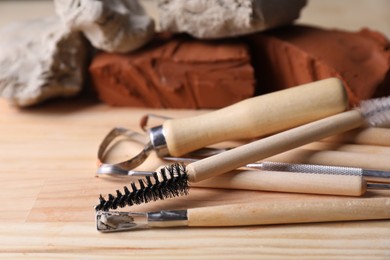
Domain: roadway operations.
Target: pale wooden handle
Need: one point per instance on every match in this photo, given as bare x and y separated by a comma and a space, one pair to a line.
266, 147
331, 184
291, 211
257, 116
371, 136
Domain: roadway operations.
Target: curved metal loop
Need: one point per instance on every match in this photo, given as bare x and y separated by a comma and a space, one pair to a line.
106, 168
125, 167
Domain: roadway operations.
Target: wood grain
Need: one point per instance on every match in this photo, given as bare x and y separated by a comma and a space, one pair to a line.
47, 161
47, 166
308, 241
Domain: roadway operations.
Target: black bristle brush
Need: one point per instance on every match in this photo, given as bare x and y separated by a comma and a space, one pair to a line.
169, 182
172, 181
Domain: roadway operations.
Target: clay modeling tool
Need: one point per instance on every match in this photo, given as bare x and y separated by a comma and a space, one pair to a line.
174, 181
283, 177
254, 117
373, 112
301, 178
264, 213
372, 175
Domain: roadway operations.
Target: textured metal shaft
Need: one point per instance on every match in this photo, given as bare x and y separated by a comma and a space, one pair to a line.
309, 168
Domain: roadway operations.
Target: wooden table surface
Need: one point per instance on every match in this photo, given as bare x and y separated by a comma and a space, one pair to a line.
49, 189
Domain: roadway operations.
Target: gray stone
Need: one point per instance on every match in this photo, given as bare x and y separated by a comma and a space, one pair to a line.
110, 25
226, 18
40, 59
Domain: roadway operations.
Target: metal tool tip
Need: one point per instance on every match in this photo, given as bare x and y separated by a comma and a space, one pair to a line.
120, 221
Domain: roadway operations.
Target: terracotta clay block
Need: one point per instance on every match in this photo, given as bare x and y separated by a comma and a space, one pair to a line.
175, 73
296, 55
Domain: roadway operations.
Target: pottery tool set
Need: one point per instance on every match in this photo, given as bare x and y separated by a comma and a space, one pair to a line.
251, 118
282, 121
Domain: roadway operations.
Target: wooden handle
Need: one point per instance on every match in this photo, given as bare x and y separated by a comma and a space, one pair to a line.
257, 116
291, 211
371, 136
266, 147
348, 185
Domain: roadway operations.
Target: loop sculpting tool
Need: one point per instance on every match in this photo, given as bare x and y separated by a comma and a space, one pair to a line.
174, 180
254, 117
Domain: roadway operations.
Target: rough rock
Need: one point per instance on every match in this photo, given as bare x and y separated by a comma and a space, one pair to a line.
40, 59
224, 18
110, 25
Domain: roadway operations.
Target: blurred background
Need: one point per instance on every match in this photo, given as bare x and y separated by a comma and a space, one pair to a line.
343, 14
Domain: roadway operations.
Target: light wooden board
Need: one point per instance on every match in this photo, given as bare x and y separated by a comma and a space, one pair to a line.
49, 189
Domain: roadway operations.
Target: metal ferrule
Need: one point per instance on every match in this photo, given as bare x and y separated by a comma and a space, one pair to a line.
168, 218
113, 221
158, 141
